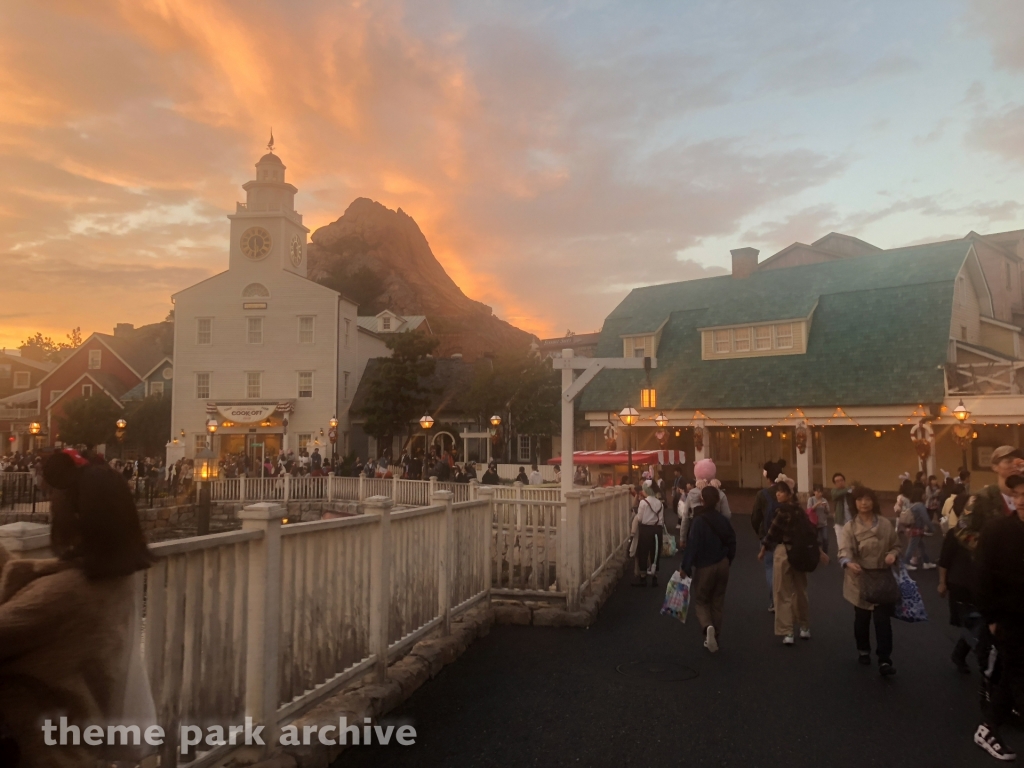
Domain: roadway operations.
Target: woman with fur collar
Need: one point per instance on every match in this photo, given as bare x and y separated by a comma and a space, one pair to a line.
66, 623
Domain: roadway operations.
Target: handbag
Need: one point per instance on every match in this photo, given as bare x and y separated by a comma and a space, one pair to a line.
878, 586
677, 597
911, 606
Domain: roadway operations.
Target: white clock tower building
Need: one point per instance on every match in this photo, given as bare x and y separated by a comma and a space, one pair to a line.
269, 354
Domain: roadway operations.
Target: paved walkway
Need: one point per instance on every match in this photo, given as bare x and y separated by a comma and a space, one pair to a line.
639, 689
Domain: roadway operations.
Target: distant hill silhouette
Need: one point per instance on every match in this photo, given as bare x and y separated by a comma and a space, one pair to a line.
380, 259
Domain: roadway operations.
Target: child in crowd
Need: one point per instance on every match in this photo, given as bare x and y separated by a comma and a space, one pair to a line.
817, 511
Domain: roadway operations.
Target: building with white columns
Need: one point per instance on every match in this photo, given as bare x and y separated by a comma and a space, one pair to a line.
270, 354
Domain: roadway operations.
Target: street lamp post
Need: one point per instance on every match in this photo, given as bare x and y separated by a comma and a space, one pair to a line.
332, 433
495, 423
962, 433
34, 429
629, 417
121, 424
426, 422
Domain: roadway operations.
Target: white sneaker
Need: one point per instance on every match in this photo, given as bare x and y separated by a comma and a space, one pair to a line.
929, 566
787, 640
805, 634
988, 741
910, 567
710, 642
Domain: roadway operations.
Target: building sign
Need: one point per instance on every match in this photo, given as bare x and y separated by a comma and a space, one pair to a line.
248, 413
254, 305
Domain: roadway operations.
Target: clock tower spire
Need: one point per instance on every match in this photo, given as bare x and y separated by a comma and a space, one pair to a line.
267, 233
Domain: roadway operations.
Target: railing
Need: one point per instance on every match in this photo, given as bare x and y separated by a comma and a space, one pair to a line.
994, 378
331, 488
267, 621
19, 494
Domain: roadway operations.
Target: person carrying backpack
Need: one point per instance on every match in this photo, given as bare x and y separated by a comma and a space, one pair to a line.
868, 549
710, 550
793, 541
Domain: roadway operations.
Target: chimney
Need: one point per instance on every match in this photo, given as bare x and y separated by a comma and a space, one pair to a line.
123, 329
744, 261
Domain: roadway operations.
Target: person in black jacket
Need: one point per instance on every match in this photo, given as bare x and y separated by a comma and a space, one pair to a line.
710, 550
1000, 559
958, 579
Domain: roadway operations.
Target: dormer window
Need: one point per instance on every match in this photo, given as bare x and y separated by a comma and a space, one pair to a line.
385, 323
639, 346
789, 338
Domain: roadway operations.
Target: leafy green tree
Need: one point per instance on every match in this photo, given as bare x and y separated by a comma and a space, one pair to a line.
45, 349
89, 421
398, 394
149, 424
524, 384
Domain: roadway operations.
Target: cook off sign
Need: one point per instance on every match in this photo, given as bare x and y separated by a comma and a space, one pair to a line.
246, 414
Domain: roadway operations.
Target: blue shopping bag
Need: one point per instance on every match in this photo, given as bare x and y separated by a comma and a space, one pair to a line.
677, 597
910, 608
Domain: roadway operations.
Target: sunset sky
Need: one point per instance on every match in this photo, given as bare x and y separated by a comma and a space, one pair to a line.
554, 154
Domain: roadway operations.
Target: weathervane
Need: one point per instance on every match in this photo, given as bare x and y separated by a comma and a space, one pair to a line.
270, 144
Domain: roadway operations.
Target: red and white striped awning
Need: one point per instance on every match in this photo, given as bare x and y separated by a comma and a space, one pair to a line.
621, 457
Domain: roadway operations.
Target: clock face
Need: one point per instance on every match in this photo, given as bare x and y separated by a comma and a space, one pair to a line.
255, 243
296, 250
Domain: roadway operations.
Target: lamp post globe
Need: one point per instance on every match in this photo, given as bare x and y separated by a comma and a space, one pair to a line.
629, 416
34, 428
121, 423
495, 420
960, 413
426, 422
333, 423
661, 420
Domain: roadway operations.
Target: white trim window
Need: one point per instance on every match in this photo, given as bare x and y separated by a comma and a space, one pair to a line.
203, 385
305, 383
95, 359
22, 379
55, 394
524, 447
87, 390
254, 330
253, 384
961, 291
156, 387
784, 336
199, 444
385, 323
348, 329
304, 441
307, 330
741, 340
723, 343
762, 337
344, 385
204, 331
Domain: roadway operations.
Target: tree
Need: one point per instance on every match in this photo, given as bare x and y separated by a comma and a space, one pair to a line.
524, 384
149, 424
89, 421
398, 394
45, 349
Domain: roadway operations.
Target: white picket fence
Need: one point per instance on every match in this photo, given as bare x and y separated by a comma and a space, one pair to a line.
267, 621
331, 488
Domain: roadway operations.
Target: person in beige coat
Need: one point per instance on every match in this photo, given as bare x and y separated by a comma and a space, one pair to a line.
868, 541
66, 639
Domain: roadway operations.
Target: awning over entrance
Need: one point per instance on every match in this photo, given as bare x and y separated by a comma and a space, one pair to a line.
621, 457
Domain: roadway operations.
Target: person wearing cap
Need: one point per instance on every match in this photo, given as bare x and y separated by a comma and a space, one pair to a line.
1000, 561
491, 475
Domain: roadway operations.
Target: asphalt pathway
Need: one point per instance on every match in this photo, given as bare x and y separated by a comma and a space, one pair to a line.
639, 689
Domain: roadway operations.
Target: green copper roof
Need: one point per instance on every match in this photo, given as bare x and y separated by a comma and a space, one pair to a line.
879, 334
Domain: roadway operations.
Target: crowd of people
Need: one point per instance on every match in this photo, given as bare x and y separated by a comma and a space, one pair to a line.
981, 565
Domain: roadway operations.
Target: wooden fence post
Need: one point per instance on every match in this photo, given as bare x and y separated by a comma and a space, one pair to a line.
569, 536
445, 561
361, 494
518, 491
263, 629
380, 582
394, 488
329, 480
486, 493
431, 488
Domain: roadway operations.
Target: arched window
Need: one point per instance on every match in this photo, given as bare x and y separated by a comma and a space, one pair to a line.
255, 290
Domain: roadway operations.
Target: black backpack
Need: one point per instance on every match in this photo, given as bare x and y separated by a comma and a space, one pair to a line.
804, 553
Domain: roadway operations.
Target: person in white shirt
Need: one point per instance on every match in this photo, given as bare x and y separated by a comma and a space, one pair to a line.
648, 526
535, 477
